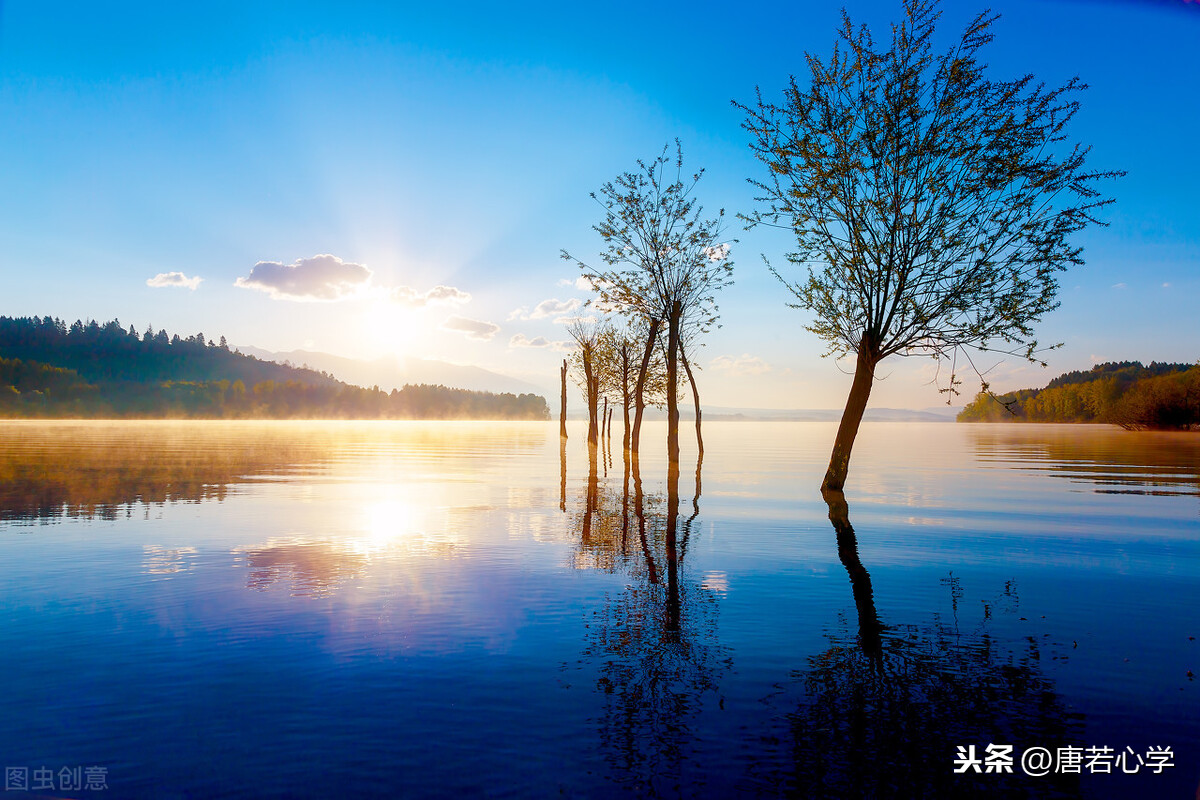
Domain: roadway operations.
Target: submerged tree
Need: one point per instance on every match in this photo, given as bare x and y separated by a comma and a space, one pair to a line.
587, 337
663, 263
623, 368
933, 207
562, 411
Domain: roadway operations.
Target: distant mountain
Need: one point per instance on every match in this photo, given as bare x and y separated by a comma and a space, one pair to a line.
830, 414
718, 413
393, 373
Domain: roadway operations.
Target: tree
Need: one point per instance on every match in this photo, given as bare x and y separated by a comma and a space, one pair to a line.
562, 413
663, 262
619, 356
932, 206
586, 336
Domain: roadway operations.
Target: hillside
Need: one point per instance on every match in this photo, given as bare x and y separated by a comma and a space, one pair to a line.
48, 369
394, 373
1155, 397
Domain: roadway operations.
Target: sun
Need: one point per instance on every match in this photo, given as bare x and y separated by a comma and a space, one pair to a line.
388, 328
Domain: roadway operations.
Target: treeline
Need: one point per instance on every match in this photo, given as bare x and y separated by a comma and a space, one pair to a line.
1155, 397
107, 352
48, 369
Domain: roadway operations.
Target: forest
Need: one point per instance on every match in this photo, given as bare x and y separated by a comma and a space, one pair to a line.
1156, 397
102, 370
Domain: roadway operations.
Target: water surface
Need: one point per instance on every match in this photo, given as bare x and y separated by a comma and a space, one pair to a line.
414, 609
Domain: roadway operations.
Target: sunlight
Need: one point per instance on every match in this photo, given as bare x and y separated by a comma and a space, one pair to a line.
392, 329
385, 524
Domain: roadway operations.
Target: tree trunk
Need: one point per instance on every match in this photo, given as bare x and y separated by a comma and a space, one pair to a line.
562, 414
673, 385
856, 404
639, 396
593, 398
626, 395
695, 398
604, 418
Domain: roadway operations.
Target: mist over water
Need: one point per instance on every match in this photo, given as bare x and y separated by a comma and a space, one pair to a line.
418, 609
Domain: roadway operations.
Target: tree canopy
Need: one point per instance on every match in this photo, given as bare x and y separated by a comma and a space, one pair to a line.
933, 206
663, 262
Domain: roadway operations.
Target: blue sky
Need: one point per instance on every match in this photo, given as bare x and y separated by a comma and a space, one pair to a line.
455, 147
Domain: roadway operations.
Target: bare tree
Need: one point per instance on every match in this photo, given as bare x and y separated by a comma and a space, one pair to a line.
586, 336
562, 412
663, 262
619, 356
932, 207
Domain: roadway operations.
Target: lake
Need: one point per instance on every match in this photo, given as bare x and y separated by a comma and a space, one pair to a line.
308, 609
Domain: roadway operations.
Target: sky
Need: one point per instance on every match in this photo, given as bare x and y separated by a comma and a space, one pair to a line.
378, 178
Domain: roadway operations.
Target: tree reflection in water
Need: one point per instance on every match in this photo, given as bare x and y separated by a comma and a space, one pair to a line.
654, 644
1106, 459
882, 712
97, 470
878, 713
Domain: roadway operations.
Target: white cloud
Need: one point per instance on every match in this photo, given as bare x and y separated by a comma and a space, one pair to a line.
581, 283
717, 252
322, 277
438, 295
1118, 286
745, 364
547, 308
446, 294
603, 307
588, 320
164, 279
471, 328
521, 340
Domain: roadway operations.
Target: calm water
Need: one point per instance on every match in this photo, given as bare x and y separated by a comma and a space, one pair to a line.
410, 609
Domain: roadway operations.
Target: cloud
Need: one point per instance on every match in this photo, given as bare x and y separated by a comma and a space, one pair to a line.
1118, 286
718, 252
582, 283
603, 307
322, 277
547, 308
520, 340
164, 279
438, 295
745, 364
588, 320
471, 328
